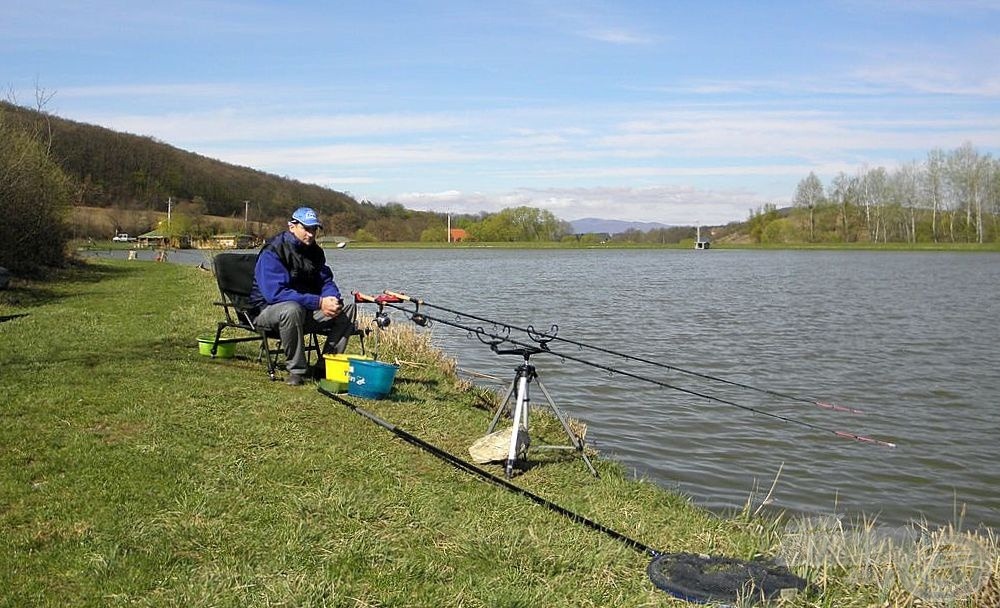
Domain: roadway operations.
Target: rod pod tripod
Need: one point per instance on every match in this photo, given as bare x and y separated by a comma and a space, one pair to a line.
524, 375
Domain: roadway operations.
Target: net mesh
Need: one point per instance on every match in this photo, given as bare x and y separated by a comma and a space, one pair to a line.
703, 578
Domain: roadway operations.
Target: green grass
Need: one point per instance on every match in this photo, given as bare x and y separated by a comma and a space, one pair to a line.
134, 471
956, 247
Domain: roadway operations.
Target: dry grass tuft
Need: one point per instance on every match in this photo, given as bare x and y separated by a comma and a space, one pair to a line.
404, 345
908, 566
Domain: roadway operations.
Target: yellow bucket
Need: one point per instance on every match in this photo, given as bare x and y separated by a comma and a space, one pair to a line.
337, 367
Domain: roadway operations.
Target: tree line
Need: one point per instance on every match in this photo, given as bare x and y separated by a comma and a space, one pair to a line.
949, 197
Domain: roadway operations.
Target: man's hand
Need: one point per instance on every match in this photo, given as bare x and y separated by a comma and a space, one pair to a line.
330, 306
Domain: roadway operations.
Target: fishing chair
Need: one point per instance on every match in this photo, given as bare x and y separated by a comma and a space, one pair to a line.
234, 275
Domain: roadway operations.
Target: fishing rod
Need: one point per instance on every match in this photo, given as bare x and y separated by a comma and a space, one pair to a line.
468, 467
811, 401
688, 576
394, 300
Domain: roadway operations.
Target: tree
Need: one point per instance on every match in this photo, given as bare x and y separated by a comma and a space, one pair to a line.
842, 192
759, 220
519, 224
932, 183
968, 175
905, 188
363, 236
434, 234
35, 197
809, 194
873, 187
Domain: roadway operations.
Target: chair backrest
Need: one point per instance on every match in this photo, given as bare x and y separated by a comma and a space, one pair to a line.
234, 274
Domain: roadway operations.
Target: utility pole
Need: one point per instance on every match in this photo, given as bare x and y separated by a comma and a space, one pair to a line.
170, 204
246, 216
449, 227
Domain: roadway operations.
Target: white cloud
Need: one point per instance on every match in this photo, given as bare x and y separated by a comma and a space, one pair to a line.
682, 205
226, 125
201, 91
960, 7
342, 155
921, 77
337, 181
617, 36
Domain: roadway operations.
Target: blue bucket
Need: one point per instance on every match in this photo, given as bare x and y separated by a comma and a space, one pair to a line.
370, 379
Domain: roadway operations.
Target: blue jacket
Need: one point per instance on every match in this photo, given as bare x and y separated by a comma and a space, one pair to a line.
288, 270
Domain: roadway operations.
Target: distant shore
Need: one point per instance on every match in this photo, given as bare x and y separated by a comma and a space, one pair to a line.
98, 248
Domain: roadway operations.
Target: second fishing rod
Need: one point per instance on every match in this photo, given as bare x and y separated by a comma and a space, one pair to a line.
541, 341
552, 334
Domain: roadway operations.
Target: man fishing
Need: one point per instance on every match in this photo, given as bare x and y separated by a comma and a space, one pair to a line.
294, 290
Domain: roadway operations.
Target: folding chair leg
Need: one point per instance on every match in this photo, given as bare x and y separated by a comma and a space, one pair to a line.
265, 351
218, 336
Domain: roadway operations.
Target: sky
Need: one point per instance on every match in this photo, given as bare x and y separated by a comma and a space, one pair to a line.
679, 112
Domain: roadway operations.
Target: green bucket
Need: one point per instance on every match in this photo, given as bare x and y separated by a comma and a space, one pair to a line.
225, 350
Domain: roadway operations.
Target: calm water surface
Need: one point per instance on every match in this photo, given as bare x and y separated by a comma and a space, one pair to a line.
913, 339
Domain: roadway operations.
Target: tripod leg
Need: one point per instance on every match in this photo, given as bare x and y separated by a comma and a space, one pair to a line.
503, 405
573, 437
515, 431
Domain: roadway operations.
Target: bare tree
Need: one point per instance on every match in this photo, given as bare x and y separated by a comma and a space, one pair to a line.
933, 186
968, 177
873, 190
843, 191
905, 189
809, 194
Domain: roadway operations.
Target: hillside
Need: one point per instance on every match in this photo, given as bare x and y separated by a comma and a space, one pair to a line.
133, 174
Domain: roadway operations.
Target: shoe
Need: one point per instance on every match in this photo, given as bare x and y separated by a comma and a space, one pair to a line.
295, 380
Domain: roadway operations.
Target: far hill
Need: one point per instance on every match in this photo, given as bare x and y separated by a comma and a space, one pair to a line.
131, 172
592, 224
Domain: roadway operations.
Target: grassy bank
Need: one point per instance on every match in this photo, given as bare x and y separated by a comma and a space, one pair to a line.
134, 471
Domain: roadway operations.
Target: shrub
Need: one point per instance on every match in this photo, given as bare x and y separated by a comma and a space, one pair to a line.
34, 202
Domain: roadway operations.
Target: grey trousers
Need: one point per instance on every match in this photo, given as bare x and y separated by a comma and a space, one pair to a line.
293, 322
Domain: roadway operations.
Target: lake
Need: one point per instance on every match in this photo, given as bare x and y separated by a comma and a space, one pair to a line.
910, 338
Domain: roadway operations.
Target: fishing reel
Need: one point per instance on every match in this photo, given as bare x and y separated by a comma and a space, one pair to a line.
382, 319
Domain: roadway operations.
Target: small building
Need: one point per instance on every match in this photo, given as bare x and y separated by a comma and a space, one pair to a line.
700, 243
155, 238
230, 241
457, 235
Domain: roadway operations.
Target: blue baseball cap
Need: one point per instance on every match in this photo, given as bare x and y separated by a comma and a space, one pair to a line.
307, 217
